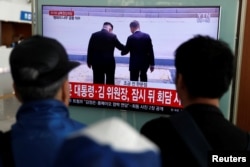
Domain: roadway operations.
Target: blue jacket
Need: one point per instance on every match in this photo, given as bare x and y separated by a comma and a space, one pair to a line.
40, 129
111, 142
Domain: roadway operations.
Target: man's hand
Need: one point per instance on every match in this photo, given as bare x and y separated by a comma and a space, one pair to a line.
152, 68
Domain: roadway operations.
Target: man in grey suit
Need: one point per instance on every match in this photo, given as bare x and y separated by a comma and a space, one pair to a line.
139, 44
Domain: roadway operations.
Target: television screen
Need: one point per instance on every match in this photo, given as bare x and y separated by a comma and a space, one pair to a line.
168, 27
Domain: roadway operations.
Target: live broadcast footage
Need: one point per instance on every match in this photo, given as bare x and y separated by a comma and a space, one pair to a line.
168, 27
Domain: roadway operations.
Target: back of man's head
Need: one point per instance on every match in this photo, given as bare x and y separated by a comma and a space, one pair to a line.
134, 24
108, 26
39, 66
206, 66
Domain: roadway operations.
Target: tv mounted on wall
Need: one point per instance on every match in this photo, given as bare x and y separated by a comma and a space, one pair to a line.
168, 28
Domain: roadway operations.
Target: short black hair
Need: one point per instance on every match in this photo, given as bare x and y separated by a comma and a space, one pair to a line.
207, 66
134, 24
108, 23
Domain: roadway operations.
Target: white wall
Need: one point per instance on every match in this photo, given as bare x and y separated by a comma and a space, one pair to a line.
4, 57
10, 10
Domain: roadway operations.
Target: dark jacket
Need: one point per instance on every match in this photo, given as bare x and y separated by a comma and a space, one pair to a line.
140, 46
101, 49
219, 132
40, 129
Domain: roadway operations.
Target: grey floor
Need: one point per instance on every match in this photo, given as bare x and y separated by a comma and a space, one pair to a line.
8, 102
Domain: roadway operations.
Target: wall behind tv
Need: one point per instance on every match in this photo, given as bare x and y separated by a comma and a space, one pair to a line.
10, 10
227, 32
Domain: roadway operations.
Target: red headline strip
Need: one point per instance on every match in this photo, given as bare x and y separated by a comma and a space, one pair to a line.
128, 94
61, 13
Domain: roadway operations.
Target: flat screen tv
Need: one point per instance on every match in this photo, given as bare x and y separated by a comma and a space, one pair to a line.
167, 26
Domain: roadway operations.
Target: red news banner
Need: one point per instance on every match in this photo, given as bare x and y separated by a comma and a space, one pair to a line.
61, 13
128, 94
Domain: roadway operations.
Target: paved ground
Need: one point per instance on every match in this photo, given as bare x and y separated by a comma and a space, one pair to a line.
161, 75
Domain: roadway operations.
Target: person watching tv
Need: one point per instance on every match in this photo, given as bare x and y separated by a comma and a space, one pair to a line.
204, 71
39, 68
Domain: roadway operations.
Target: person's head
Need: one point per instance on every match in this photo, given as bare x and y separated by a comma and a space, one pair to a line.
134, 25
39, 68
204, 67
108, 26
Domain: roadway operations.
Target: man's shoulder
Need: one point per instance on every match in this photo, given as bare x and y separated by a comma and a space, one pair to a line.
97, 33
100, 32
160, 123
139, 34
143, 33
103, 33
77, 124
101, 144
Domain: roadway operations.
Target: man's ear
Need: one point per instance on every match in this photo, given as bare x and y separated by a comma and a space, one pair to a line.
65, 92
16, 93
179, 82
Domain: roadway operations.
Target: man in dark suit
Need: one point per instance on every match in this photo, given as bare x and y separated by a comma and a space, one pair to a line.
140, 46
100, 56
